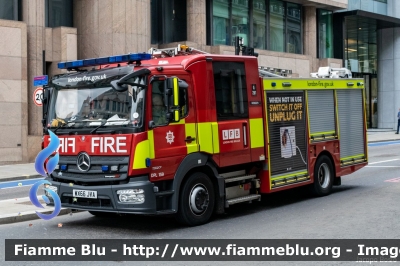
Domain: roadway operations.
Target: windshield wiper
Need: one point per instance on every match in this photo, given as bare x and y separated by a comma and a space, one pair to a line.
105, 122
63, 123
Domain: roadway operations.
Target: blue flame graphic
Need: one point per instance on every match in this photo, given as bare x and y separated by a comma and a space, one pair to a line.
35, 201
50, 166
45, 153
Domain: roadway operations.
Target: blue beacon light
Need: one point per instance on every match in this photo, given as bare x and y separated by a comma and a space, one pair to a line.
104, 60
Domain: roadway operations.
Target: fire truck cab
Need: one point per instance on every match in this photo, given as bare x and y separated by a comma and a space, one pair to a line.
194, 134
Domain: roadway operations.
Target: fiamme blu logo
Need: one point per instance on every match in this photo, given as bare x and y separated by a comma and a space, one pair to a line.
45, 165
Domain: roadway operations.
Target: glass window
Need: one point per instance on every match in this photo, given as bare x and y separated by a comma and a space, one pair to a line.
9, 9
221, 23
293, 29
158, 106
240, 20
230, 90
325, 34
59, 13
168, 21
259, 25
262, 24
277, 25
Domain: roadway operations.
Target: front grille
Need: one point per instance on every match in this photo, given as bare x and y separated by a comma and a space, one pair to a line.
93, 168
89, 175
95, 172
96, 159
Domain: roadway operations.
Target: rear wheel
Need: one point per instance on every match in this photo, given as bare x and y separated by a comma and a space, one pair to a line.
196, 200
323, 176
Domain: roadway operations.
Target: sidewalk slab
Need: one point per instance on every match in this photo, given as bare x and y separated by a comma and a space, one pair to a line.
14, 172
15, 178
21, 209
379, 136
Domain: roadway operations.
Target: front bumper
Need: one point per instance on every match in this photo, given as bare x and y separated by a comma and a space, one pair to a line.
107, 198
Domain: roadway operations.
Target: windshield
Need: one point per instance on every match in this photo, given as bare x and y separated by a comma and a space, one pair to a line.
92, 107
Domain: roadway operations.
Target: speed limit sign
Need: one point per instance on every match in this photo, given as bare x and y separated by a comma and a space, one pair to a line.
38, 96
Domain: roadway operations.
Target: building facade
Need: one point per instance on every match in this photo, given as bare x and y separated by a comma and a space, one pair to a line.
293, 36
371, 36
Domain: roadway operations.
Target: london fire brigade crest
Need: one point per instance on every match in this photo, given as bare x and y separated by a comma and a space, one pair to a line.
170, 137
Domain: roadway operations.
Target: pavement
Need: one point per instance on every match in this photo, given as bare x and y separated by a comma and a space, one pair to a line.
21, 209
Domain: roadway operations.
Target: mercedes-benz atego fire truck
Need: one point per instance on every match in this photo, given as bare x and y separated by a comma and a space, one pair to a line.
189, 133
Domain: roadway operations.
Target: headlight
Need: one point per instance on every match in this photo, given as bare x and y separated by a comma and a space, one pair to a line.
131, 196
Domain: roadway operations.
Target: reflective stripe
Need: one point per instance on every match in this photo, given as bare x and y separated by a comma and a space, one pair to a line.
142, 152
208, 137
323, 133
215, 138
289, 175
256, 133
150, 137
352, 157
337, 115
190, 130
313, 84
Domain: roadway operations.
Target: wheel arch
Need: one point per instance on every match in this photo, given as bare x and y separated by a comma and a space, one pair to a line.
196, 162
329, 155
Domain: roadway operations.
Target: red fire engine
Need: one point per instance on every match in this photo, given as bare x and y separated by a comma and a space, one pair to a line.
177, 131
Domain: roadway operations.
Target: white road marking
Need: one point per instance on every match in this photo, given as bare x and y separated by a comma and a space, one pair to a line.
385, 161
394, 180
383, 166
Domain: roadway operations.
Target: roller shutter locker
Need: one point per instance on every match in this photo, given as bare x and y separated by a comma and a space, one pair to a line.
321, 109
351, 123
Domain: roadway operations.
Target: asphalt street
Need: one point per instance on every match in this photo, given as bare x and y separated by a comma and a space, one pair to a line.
365, 206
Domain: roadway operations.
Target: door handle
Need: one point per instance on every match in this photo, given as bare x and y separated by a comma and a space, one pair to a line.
189, 139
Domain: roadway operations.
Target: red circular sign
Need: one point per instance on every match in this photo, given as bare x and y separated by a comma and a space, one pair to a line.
38, 96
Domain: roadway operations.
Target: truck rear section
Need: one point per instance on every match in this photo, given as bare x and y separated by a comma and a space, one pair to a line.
195, 134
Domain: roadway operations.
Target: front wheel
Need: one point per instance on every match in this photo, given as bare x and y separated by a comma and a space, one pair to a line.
323, 176
196, 200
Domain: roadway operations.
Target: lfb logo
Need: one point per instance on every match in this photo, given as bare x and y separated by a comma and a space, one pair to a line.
46, 171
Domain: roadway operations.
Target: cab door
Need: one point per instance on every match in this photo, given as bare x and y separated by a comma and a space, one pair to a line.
232, 112
172, 140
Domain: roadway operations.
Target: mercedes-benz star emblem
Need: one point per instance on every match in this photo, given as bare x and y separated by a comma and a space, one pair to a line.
83, 162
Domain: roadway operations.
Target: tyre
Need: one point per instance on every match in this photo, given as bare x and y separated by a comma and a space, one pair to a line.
323, 176
196, 200
102, 214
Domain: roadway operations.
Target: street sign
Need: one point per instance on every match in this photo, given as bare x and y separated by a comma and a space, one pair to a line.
40, 80
38, 96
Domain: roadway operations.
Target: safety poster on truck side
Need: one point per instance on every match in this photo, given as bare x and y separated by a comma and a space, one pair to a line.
286, 114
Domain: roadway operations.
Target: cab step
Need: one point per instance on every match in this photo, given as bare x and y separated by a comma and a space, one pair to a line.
239, 178
247, 198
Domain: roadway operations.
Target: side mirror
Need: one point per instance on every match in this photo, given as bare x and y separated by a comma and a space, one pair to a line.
152, 124
118, 87
45, 102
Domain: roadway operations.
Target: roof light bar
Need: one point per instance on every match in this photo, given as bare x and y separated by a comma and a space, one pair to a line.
104, 60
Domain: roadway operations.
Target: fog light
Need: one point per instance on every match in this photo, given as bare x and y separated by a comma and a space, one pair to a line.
131, 196
52, 188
